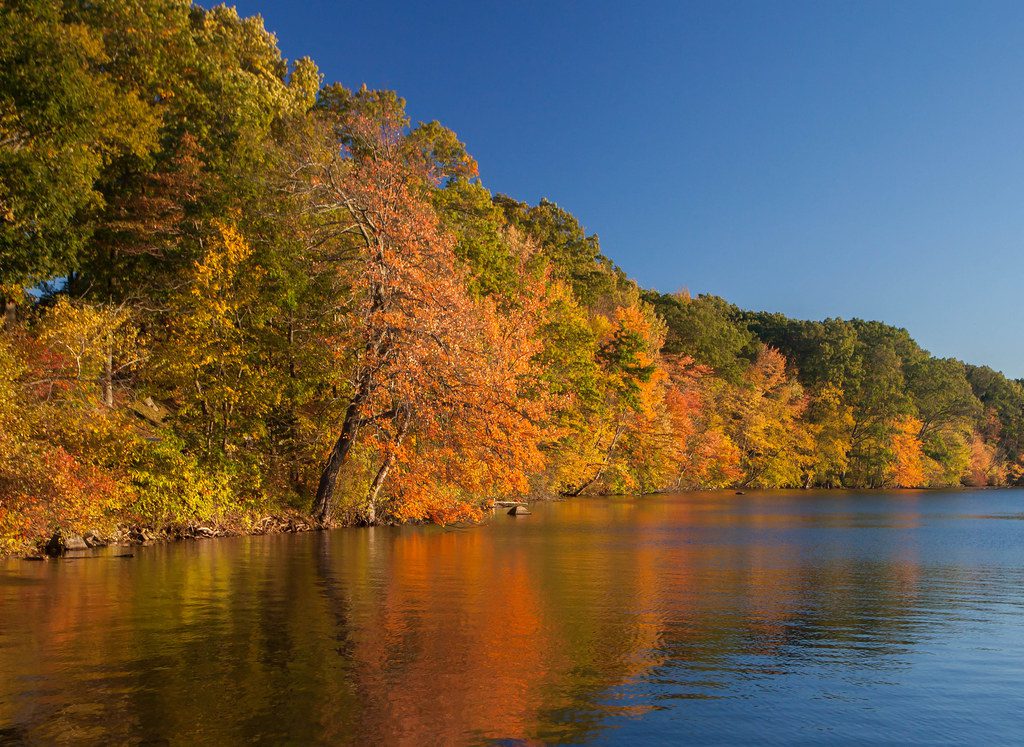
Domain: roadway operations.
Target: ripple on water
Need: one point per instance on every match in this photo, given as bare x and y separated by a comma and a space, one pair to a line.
825, 617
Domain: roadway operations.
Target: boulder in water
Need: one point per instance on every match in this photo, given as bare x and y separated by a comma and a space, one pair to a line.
62, 541
519, 511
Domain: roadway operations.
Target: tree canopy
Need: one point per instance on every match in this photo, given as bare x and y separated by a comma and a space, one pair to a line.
232, 289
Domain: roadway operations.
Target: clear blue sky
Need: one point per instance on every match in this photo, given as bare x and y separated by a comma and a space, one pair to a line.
816, 158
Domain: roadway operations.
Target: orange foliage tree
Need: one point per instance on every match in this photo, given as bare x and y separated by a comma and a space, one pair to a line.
56, 431
907, 469
709, 458
439, 382
985, 467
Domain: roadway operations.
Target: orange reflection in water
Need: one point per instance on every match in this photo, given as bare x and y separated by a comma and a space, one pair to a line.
536, 628
452, 645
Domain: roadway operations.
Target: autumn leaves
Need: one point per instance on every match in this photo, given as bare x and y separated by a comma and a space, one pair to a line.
331, 313
438, 412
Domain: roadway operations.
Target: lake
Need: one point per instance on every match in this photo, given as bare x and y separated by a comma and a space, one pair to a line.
694, 618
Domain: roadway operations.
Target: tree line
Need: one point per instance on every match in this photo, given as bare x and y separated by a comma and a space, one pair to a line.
230, 288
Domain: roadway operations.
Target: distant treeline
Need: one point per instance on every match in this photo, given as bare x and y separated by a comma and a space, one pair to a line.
231, 290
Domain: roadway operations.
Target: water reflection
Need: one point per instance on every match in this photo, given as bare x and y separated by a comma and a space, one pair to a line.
701, 617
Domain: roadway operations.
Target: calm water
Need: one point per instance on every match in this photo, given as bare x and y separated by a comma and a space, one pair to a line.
691, 618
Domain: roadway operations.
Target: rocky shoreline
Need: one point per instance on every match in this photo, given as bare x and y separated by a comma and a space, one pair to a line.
65, 543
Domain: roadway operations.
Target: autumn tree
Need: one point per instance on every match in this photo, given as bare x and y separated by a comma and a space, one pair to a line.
630, 389
472, 414
707, 329
211, 361
575, 256
830, 423
420, 340
985, 467
765, 423
907, 469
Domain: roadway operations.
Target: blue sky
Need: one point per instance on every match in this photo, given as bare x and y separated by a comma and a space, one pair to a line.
815, 158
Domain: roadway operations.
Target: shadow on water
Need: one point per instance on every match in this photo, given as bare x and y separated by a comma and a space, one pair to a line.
700, 617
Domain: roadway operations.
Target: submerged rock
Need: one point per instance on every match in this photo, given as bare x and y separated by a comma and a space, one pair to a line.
62, 541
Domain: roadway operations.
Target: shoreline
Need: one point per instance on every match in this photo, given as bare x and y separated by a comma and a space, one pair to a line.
297, 522
66, 545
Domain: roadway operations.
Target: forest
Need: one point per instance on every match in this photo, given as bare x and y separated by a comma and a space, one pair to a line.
233, 290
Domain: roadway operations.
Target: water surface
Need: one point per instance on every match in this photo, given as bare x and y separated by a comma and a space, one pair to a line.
703, 618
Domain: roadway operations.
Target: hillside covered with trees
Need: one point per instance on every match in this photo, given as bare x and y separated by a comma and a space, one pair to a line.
231, 289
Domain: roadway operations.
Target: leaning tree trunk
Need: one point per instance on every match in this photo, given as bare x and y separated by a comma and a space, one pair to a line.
603, 466
369, 517
378, 344
324, 501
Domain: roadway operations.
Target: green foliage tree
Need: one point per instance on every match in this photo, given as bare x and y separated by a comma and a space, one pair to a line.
64, 117
708, 329
574, 256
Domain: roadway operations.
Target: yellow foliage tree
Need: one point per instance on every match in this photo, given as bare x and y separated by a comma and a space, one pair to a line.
210, 360
830, 422
765, 423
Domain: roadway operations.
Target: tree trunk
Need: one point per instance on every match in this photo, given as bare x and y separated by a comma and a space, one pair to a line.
108, 372
602, 468
369, 517
10, 312
324, 501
